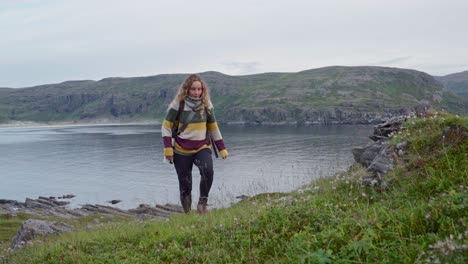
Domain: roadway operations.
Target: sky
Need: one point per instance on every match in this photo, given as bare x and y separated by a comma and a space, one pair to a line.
51, 41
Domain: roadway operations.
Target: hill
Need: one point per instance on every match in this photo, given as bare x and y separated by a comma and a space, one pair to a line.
325, 95
457, 83
417, 215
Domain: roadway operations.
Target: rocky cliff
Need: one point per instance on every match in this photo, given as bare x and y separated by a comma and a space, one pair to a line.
324, 95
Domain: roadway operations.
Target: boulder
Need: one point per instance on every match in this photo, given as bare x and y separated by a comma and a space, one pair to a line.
33, 228
383, 162
365, 155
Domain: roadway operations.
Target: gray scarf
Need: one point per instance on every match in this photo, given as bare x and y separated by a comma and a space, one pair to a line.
194, 104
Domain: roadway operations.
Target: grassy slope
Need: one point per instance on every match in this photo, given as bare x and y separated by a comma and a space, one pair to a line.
420, 214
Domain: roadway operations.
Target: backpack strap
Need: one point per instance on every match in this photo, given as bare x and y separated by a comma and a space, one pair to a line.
175, 127
184, 126
181, 109
210, 139
189, 118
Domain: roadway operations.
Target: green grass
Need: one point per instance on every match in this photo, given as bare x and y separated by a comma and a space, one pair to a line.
9, 225
418, 215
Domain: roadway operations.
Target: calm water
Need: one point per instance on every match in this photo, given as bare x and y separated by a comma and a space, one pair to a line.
100, 163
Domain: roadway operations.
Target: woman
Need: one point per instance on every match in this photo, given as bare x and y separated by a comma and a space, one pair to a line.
196, 123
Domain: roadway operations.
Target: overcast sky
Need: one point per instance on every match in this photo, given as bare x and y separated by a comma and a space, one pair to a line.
50, 41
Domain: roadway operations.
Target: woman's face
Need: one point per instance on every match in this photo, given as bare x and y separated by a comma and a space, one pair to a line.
196, 90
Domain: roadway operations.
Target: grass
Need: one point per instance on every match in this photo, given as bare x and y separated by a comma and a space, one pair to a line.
9, 225
418, 215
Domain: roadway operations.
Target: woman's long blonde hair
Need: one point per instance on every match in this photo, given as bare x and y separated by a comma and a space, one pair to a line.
183, 91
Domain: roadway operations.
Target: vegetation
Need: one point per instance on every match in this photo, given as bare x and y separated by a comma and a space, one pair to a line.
10, 224
419, 214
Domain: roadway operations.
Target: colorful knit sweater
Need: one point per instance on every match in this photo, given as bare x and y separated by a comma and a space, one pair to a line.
194, 137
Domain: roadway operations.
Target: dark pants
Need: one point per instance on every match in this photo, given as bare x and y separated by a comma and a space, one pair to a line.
183, 165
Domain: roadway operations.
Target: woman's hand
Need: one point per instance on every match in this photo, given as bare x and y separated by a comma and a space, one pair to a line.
170, 158
224, 153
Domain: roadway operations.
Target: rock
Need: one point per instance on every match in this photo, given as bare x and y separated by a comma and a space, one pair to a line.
388, 128
401, 152
4, 201
33, 228
365, 155
402, 145
114, 201
49, 206
422, 109
43, 203
101, 209
35, 204
378, 156
158, 211
242, 197
382, 162
52, 201
170, 208
377, 138
11, 204
67, 196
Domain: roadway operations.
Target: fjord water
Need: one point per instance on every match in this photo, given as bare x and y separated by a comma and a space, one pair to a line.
125, 162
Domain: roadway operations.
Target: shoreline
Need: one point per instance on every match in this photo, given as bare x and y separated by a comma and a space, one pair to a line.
31, 124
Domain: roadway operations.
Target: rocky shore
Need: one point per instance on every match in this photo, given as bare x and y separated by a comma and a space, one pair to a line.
46, 207
379, 156
51, 206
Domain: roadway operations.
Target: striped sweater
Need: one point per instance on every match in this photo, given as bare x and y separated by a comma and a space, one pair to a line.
193, 138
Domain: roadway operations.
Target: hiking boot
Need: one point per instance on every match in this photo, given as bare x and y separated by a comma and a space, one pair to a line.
201, 206
186, 201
